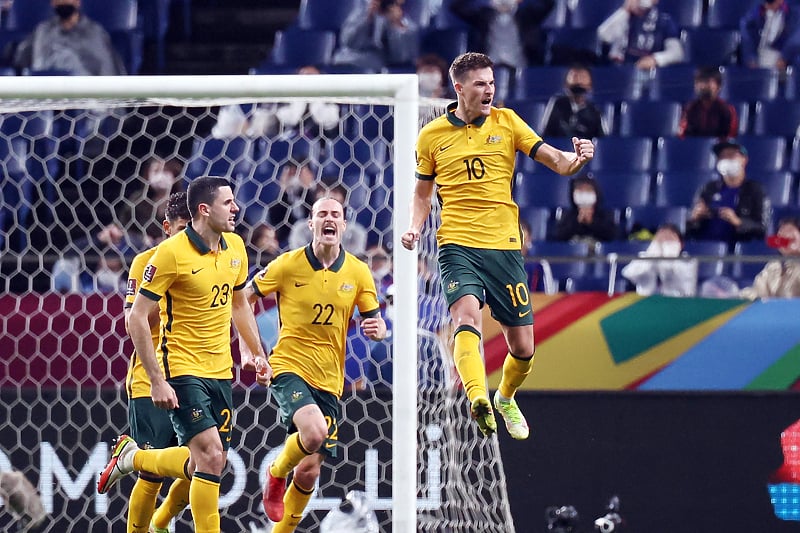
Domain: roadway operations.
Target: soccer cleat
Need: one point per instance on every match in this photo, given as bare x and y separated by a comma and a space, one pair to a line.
516, 424
481, 411
273, 496
120, 464
154, 529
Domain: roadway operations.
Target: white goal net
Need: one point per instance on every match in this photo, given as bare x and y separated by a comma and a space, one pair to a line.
86, 164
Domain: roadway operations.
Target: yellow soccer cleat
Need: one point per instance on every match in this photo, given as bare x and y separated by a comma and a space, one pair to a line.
481, 411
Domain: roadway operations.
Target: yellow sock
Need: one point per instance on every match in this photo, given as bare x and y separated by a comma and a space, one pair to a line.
176, 501
204, 498
166, 462
515, 370
141, 504
469, 363
294, 502
293, 452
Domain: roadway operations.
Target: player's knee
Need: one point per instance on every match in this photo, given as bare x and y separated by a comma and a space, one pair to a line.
313, 436
211, 460
522, 349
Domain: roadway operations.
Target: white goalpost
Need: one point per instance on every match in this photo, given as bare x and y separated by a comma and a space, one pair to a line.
69, 149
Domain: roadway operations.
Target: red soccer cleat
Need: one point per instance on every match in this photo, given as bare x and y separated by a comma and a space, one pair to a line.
273, 496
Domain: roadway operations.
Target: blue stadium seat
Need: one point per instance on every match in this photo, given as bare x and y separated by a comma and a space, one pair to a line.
764, 153
324, 14
539, 220
794, 155
628, 154
303, 47
418, 11
591, 13
777, 117
649, 119
618, 83
711, 46
539, 83
446, 43
113, 15
557, 17
541, 190
692, 153
562, 270
673, 83
532, 112
230, 158
445, 19
779, 213
620, 248
154, 17
23, 16
707, 269
744, 272
685, 13
16, 187
623, 189
749, 84
130, 46
565, 46
727, 13
649, 217
778, 185
591, 283
679, 187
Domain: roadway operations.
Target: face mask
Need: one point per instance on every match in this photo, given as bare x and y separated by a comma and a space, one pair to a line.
161, 180
429, 82
645, 4
65, 11
671, 248
584, 198
705, 94
578, 90
729, 167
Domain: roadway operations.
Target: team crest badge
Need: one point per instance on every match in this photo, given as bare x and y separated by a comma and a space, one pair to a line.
452, 287
197, 414
346, 287
296, 395
236, 263
149, 273
494, 139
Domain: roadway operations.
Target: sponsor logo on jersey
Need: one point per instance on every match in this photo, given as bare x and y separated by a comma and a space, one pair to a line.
236, 263
197, 414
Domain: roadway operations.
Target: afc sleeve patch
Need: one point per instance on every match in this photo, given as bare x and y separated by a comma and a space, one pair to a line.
131, 290
149, 273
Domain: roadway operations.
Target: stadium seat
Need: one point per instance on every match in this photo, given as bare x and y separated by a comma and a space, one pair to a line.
539, 220
324, 14
745, 271
129, 44
727, 13
303, 47
232, 158
531, 112
16, 187
749, 84
627, 154
565, 46
764, 153
692, 153
623, 189
618, 83
553, 252
591, 283
24, 15
650, 218
541, 190
539, 83
778, 186
679, 187
649, 119
113, 15
591, 13
419, 11
711, 46
777, 117
779, 213
707, 269
685, 13
446, 43
557, 18
794, 155
620, 248
673, 83
445, 19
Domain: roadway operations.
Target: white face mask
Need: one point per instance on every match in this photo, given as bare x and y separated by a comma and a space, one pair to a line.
161, 180
730, 167
584, 198
670, 248
645, 4
429, 82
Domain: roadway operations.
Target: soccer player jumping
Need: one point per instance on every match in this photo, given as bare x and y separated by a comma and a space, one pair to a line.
468, 154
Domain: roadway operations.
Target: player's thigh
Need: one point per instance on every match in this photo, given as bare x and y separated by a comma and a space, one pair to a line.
459, 268
151, 426
507, 288
293, 393
203, 403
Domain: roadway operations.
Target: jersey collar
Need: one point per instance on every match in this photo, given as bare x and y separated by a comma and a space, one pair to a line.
198, 243
455, 121
316, 265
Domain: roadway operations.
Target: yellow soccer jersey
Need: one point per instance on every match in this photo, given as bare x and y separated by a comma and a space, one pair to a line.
197, 286
473, 166
315, 306
137, 383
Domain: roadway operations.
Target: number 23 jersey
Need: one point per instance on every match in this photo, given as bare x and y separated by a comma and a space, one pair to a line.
315, 305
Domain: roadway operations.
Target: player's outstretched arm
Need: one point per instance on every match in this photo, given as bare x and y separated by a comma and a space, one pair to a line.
420, 209
566, 163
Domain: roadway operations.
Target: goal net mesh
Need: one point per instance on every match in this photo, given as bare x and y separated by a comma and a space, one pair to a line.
83, 188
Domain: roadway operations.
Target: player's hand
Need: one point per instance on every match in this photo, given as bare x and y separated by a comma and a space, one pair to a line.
409, 239
374, 328
163, 395
246, 356
263, 371
584, 149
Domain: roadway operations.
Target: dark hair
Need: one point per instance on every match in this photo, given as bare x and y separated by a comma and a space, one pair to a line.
177, 207
203, 190
467, 62
793, 220
708, 73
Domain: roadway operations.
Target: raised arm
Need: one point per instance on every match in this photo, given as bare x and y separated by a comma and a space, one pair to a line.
566, 163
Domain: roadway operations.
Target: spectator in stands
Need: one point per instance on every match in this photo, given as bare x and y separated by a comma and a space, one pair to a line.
767, 31
433, 77
586, 220
145, 200
509, 31
732, 208
69, 41
677, 277
262, 246
377, 35
708, 115
312, 120
573, 114
379, 261
354, 239
639, 33
780, 279
298, 180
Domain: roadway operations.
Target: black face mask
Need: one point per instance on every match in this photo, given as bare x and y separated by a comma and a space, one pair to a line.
578, 90
704, 94
65, 11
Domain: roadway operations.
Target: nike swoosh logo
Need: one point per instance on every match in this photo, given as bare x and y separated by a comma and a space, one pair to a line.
196, 271
523, 314
300, 284
330, 445
443, 148
297, 516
